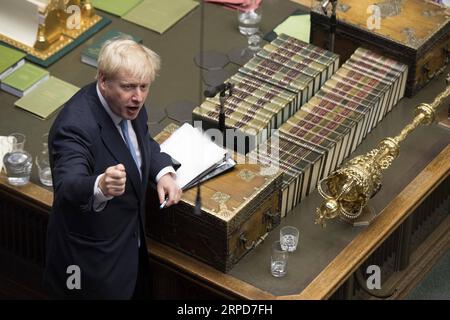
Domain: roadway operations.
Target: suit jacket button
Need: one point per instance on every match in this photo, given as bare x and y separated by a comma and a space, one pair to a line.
135, 234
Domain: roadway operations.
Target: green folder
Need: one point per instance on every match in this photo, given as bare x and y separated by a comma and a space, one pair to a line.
47, 98
297, 26
90, 54
23, 79
159, 15
116, 7
8, 58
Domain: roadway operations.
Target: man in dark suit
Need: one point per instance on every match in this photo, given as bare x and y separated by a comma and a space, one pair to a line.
102, 158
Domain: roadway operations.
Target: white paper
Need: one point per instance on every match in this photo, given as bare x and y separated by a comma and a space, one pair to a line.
195, 151
19, 20
6, 145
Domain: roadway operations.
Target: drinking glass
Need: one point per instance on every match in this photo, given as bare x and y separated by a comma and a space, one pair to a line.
278, 260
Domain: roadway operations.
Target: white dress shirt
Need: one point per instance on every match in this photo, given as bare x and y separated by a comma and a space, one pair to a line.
100, 199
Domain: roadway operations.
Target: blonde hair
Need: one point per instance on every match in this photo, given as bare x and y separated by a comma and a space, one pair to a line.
125, 55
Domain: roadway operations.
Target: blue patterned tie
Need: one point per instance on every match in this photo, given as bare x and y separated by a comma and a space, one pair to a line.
124, 127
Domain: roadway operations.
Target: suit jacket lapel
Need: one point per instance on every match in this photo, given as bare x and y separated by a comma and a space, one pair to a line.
115, 144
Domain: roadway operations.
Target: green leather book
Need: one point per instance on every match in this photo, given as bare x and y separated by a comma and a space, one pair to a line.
159, 15
90, 54
10, 60
24, 79
47, 98
116, 7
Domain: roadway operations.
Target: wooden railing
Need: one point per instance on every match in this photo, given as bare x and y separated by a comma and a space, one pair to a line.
407, 220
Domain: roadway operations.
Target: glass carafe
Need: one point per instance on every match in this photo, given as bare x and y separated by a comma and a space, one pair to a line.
17, 161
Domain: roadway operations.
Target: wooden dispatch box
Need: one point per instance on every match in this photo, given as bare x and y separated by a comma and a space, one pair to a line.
239, 208
414, 32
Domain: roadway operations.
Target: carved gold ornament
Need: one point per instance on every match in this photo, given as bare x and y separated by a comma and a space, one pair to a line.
347, 190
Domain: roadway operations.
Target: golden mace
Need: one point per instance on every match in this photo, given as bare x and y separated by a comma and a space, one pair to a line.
347, 190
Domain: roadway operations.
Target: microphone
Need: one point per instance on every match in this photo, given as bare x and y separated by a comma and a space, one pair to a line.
210, 93
198, 202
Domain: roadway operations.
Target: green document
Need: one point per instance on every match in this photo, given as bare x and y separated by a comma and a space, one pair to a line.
9, 57
297, 26
116, 7
23, 79
47, 98
90, 54
160, 15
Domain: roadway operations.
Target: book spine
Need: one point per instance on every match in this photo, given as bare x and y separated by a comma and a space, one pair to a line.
281, 73
367, 85
346, 83
372, 57
302, 67
285, 102
358, 113
274, 91
288, 78
374, 68
393, 80
234, 120
352, 90
373, 107
291, 74
312, 128
298, 43
288, 58
289, 43
318, 160
242, 119
239, 105
303, 139
320, 121
368, 55
361, 96
371, 80
287, 156
314, 134
298, 54
293, 61
338, 115
321, 127
268, 76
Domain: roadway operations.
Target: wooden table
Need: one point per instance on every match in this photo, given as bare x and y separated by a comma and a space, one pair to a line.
328, 262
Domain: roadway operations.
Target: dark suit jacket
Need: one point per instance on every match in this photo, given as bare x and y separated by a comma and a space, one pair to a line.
83, 142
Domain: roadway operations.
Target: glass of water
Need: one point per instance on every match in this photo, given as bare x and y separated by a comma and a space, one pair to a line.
289, 238
278, 260
43, 163
249, 19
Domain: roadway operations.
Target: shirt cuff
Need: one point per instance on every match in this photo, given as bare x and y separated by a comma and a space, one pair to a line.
164, 171
100, 199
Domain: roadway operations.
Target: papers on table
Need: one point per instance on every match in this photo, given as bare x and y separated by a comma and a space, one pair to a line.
198, 155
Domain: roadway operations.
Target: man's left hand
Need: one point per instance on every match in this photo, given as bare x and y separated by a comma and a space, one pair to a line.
168, 186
